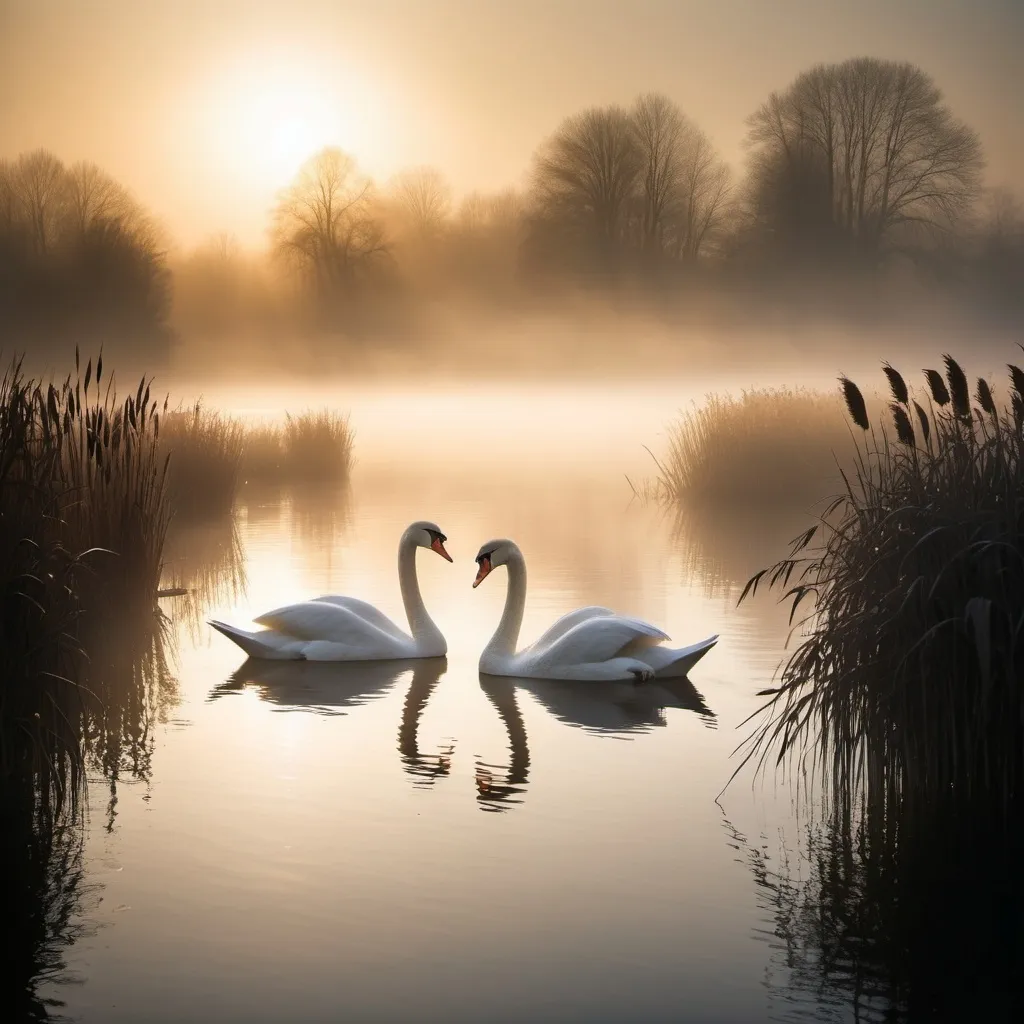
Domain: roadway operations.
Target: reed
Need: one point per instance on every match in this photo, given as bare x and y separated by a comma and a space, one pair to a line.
777, 446
211, 454
909, 675
314, 445
206, 455
85, 515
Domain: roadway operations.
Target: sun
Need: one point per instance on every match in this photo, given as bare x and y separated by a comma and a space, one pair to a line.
267, 115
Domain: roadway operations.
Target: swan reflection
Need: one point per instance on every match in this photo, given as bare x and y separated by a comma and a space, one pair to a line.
601, 709
330, 688
617, 708
424, 769
499, 787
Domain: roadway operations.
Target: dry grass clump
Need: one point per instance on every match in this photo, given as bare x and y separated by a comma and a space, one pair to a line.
206, 452
910, 674
774, 446
315, 445
212, 453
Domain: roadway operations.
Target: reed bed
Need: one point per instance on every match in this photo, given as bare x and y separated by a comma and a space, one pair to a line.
909, 676
211, 454
205, 451
772, 446
84, 519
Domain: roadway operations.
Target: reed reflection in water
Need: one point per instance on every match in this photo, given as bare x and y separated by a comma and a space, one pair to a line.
894, 914
123, 691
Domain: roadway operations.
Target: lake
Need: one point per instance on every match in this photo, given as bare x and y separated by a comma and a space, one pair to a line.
305, 842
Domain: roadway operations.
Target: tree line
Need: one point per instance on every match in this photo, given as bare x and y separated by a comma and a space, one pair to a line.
81, 261
854, 172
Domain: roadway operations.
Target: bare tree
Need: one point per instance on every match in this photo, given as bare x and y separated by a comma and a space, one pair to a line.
659, 127
702, 196
586, 173
424, 199
324, 223
8, 198
93, 195
683, 186
895, 160
39, 184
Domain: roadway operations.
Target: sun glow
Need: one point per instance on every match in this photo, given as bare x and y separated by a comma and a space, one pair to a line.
267, 116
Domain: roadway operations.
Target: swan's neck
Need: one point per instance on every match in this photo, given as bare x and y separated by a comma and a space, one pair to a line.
420, 623
507, 634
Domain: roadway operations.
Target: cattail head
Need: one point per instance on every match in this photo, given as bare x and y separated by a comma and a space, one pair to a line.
896, 384
959, 391
985, 399
855, 403
1017, 376
904, 430
937, 386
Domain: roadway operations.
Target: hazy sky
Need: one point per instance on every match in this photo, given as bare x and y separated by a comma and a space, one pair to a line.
205, 108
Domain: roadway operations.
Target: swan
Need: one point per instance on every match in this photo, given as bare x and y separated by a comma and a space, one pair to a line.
338, 628
589, 644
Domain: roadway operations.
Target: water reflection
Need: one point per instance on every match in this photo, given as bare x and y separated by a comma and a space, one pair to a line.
617, 708
205, 558
898, 914
724, 548
122, 690
319, 687
131, 688
499, 787
612, 709
42, 878
331, 688
424, 769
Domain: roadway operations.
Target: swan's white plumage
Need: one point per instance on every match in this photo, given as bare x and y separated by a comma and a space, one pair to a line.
340, 628
362, 608
591, 643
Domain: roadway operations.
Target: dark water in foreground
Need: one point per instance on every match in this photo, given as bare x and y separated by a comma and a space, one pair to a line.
403, 842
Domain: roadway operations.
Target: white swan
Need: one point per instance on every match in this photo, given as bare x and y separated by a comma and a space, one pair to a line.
337, 628
588, 644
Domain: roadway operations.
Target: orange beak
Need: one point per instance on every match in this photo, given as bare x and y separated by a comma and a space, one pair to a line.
438, 546
485, 568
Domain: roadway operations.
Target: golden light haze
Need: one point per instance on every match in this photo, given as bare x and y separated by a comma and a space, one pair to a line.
205, 110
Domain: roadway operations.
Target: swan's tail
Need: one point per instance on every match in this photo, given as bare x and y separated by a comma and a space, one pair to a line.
669, 662
266, 644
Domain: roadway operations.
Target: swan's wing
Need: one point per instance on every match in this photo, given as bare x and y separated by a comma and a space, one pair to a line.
364, 610
319, 620
565, 623
597, 639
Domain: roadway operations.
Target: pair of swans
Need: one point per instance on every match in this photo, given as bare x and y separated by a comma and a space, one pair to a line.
589, 644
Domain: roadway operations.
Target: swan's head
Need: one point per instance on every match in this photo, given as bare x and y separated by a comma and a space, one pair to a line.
428, 535
491, 555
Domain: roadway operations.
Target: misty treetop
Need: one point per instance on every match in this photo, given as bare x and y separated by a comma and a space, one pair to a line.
855, 171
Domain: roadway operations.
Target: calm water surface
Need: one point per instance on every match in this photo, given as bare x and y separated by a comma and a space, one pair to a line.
405, 842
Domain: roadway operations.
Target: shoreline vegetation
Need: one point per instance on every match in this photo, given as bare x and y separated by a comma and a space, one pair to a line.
213, 454
906, 685
772, 448
91, 479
